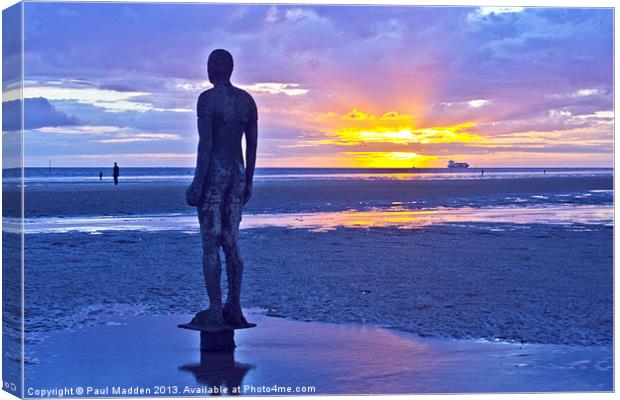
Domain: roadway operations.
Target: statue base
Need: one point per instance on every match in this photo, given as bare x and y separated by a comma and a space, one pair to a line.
215, 339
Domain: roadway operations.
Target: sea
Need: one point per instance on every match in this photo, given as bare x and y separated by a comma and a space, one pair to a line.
47, 176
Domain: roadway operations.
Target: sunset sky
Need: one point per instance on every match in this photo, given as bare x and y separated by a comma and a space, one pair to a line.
335, 86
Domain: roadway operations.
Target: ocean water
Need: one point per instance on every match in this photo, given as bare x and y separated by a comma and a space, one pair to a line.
46, 176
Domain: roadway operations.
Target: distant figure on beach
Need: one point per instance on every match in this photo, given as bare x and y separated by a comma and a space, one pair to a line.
222, 185
116, 173
482, 173
100, 175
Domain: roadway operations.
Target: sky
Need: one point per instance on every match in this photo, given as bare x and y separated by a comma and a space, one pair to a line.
336, 86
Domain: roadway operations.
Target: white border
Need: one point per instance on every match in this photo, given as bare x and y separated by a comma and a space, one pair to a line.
521, 3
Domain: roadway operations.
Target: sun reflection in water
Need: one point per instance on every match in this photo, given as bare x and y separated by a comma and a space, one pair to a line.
393, 217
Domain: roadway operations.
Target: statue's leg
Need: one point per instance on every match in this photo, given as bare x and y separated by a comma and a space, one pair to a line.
234, 264
210, 218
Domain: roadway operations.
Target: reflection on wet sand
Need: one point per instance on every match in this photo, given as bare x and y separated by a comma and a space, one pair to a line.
319, 358
325, 221
407, 219
219, 372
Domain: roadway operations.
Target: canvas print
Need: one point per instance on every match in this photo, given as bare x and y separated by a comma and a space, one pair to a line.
298, 199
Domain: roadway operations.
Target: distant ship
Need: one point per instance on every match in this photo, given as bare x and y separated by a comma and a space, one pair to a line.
452, 164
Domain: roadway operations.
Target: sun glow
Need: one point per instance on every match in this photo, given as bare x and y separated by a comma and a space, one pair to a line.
404, 134
389, 127
358, 129
389, 159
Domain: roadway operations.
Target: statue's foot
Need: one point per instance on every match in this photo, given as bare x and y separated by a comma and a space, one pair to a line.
213, 319
234, 317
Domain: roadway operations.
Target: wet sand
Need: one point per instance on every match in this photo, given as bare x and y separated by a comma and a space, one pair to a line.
537, 283
306, 196
574, 217
150, 352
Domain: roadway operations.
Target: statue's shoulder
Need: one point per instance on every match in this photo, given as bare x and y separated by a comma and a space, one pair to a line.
206, 98
205, 103
246, 105
246, 98
243, 93
206, 94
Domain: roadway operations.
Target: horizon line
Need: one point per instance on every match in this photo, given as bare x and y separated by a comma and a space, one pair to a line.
384, 168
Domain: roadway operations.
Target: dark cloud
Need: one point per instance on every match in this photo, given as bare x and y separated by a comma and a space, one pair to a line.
12, 43
117, 87
38, 113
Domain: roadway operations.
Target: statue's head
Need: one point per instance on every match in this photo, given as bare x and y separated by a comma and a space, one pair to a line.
220, 66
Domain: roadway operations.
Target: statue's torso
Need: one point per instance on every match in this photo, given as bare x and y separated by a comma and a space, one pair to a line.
230, 110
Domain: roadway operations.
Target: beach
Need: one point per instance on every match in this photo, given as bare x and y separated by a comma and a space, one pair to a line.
525, 260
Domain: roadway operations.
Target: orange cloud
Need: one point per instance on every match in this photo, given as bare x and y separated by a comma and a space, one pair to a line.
357, 115
395, 116
391, 127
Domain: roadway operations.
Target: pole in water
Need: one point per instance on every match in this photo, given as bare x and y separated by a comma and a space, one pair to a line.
50, 166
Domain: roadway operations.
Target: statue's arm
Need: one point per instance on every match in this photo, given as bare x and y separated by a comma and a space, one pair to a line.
251, 142
205, 145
